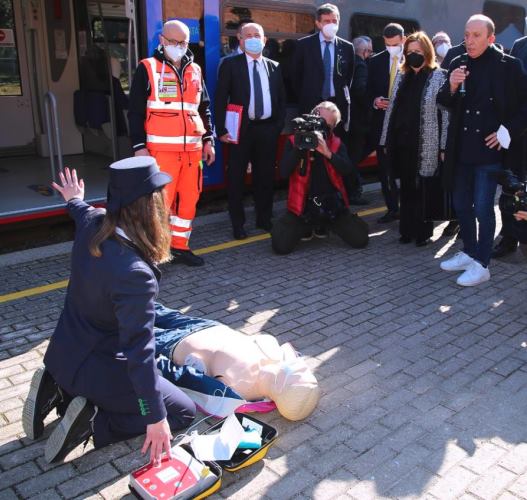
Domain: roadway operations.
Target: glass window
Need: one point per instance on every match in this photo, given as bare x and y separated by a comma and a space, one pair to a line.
10, 84
373, 26
509, 20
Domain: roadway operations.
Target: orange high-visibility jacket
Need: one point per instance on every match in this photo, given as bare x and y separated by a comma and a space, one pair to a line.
172, 120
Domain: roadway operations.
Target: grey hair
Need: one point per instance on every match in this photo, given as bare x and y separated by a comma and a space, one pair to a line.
360, 43
331, 107
175, 23
259, 26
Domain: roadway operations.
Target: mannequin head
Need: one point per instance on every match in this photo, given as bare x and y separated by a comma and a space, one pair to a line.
292, 386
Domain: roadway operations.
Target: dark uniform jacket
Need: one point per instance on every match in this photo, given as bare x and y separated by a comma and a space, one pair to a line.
309, 74
234, 87
140, 91
509, 96
378, 85
103, 346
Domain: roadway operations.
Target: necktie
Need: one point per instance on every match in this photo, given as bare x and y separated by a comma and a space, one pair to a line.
326, 89
393, 73
258, 95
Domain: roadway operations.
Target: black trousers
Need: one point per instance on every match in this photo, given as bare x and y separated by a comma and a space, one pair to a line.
257, 145
411, 223
289, 229
390, 191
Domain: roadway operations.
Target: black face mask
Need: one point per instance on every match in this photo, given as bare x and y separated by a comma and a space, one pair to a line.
415, 60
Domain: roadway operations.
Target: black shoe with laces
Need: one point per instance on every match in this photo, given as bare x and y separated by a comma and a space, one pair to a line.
44, 395
74, 429
186, 257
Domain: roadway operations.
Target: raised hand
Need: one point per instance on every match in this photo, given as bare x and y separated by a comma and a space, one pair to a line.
71, 186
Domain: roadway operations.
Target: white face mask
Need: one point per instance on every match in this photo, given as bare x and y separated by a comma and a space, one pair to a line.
442, 49
395, 51
174, 53
330, 30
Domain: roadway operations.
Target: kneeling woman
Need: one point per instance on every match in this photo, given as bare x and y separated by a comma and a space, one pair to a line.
101, 358
414, 132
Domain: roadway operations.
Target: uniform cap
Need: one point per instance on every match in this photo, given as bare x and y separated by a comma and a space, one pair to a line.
132, 178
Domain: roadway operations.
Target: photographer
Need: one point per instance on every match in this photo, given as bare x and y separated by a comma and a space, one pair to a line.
315, 159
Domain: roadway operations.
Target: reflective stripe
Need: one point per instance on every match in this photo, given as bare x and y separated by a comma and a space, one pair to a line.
179, 222
181, 234
185, 106
161, 139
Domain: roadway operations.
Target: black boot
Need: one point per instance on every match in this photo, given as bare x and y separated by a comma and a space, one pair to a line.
44, 395
186, 257
74, 429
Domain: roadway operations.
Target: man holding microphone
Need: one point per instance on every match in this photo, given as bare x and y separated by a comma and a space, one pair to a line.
488, 103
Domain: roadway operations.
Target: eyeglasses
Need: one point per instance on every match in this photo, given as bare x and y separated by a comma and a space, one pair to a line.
183, 44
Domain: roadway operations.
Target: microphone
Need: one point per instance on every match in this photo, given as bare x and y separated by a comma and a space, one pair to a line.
463, 65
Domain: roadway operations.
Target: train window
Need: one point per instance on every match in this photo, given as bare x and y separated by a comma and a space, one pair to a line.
373, 26
509, 20
9, 65
116, 30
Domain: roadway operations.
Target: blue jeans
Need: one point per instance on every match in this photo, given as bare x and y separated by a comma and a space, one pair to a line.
474, 192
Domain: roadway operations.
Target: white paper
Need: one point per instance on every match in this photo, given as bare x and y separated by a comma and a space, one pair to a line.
232, 119
220, 446
504, 138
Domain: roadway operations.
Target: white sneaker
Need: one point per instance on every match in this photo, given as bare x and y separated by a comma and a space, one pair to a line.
459, 262
474, 275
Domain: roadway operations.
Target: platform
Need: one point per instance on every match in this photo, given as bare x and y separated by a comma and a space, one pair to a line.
424, 383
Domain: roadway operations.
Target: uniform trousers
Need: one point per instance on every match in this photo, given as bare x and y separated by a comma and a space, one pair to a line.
182, 194
118, 416
257, 145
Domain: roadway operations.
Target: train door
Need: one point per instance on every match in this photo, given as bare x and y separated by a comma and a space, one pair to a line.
16, 133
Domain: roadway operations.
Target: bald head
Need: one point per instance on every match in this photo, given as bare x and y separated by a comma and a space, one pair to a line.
250, 28
479, 35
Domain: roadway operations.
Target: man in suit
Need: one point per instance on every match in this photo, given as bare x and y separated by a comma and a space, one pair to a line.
254, 82
487, 97
323, 66
509, 232
382, 71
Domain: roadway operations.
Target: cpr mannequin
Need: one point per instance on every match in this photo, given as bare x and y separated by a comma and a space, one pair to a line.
256, 367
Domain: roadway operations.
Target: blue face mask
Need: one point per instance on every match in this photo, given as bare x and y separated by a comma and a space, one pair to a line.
254, 45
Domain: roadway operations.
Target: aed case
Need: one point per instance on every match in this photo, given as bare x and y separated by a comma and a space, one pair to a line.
242, 457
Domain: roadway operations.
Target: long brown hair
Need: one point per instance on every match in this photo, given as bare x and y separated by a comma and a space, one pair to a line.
145, 222
428, 51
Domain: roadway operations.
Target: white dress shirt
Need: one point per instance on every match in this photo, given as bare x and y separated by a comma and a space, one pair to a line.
332, 53
266, 91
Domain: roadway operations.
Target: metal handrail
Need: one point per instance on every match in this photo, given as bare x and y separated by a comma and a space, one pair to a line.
53, 132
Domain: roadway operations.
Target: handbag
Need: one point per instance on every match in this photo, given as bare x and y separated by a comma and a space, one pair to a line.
437, 202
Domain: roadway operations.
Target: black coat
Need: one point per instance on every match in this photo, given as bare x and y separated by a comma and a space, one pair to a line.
452, 53
509, 88
360, 107
103, 347
309, 74
234, 87
378, 86
519, 50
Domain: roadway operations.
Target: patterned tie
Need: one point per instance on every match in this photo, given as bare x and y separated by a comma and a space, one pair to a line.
258, 95
326, 89
393, 73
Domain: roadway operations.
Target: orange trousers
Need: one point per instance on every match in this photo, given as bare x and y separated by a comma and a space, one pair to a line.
182, 194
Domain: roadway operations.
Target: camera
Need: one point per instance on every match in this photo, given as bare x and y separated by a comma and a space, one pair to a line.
304, 128
514, 195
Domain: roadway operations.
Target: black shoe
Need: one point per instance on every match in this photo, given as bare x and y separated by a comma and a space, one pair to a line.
44, 395
239, 233
75, 428
266, 226
308, 235
358, 200
505, 247
422, 243
320, 232
186, 257
451, 230
388, 217
405, 239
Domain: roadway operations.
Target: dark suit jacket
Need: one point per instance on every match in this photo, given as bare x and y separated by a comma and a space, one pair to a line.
360, 108
453, 52
519, 50
378, 85
234, 88
309, 74
103, 346
509, 88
